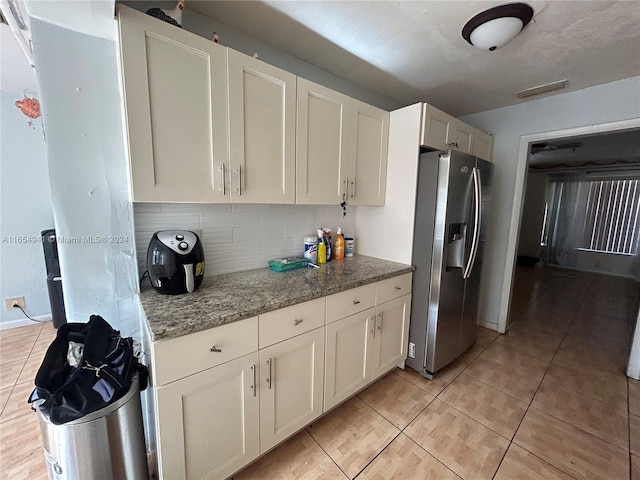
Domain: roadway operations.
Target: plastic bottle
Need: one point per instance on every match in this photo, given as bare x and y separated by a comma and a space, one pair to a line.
339, 246
327, 242
322, 249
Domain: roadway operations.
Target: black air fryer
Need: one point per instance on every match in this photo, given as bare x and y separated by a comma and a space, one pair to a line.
175, 261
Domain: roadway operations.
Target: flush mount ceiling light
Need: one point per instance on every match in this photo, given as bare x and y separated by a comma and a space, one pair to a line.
496, 27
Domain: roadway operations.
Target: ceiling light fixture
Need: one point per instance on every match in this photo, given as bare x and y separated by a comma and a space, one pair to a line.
547, 87
496, 27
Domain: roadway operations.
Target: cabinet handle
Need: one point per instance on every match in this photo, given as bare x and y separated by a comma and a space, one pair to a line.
381, 325
297, 321
398, 288
346, 188
353, 188
452, 144
253, 374
269, 377
356, 302
239, 171
373, 326
215, 349
223, 185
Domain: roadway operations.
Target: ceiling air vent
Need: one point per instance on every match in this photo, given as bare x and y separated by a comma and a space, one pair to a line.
547, 87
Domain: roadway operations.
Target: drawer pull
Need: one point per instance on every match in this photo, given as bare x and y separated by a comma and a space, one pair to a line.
297, 321
215, 349
356, 302
398, 288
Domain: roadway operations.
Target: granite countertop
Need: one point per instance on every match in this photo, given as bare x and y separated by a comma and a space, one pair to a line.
230, 297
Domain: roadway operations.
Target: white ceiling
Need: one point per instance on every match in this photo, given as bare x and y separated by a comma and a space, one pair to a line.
413, 51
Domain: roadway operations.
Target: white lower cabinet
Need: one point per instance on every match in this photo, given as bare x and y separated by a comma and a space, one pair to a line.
227, 401
209, 422
348, 356
291, 376
391, 334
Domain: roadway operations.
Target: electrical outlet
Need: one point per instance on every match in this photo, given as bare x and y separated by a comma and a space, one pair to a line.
10, 302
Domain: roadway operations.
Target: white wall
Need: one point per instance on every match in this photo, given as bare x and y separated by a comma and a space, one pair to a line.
240, 237
25, 199
606, 103
533, 215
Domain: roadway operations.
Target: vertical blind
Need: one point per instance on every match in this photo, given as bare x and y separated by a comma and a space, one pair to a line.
611, 221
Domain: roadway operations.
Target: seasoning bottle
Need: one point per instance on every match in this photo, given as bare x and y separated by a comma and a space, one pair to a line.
322, 249
339, 246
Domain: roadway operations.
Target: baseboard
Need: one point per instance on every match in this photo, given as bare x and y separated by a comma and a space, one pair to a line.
24, 321
489, 326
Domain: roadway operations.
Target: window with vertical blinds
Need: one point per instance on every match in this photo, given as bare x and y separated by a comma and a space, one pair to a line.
611, 221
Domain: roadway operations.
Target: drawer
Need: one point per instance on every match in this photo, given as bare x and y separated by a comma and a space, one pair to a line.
343, 304
179, 357
393, 288
276, 326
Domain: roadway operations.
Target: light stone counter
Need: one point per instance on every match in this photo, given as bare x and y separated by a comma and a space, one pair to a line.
230, 297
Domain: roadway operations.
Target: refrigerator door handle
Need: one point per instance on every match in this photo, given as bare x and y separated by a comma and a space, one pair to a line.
477, 188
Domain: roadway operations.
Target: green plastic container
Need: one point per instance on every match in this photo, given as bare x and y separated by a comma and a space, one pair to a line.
288, 263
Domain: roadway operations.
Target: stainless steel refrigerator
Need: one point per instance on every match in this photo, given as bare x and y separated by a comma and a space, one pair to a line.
452, 207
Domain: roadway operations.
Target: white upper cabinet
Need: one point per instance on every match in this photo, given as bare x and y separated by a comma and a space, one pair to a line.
435, 127
460, 136
208, 124
175, 86
342, 148
442, 131
482, 145
262, 118
322, 146
367, 170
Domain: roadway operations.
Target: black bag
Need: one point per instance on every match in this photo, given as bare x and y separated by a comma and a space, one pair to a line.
93, 371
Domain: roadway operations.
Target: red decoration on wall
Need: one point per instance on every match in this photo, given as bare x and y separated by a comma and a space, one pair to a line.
30, 107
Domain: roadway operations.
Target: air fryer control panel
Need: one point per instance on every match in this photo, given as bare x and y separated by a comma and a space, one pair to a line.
180, 241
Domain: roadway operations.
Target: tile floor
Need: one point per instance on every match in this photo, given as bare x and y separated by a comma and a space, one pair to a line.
549, 400
21, 352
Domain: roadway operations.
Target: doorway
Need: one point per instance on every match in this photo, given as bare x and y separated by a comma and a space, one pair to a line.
524, 154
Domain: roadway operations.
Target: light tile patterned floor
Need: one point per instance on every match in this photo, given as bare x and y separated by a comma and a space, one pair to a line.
549, 400
21, 352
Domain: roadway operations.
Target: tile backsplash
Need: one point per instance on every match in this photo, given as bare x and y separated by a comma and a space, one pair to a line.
239, 237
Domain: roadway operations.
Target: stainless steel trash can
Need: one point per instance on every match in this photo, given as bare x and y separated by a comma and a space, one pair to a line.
105, 445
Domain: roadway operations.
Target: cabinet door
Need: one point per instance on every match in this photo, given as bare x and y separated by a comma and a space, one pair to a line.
348, 356
482, 145
322, 148
262, 116
391, 334
291, 378
175, 91
367, 172
435, 127
208, 423
460, 136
